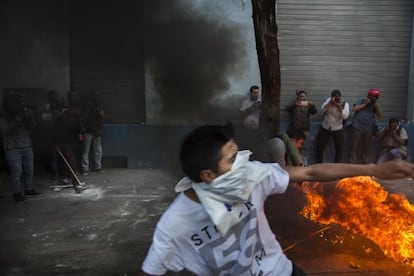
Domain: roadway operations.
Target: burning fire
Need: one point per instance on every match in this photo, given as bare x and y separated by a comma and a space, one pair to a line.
361, 205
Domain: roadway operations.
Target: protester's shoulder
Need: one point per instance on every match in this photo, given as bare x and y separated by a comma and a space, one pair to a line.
180, 209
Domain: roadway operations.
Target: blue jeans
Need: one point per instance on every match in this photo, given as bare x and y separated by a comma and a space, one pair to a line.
96, 142
21, 167
389, 155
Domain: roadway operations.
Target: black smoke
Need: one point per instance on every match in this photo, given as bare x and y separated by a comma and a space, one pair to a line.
190, 58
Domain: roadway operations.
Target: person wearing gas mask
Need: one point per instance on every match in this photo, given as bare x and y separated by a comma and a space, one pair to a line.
335, 112
393, 142
363, 124
15, 128
217, 224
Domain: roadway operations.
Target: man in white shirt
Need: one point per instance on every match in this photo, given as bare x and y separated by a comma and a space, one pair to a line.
217, 224
335, 112
251, 108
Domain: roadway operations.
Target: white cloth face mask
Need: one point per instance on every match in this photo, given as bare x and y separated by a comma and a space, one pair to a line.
232, 187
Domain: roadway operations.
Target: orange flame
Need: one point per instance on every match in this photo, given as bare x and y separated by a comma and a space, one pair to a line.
361, 205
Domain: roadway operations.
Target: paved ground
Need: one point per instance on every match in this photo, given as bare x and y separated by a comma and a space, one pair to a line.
107, 229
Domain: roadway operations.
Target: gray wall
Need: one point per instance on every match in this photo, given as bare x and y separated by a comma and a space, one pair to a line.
348, 45
34, 45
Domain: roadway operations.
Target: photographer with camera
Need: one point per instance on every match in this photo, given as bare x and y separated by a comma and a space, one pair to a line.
15, 128
393, 142
251, 108
335, 111
300, 111
363, 125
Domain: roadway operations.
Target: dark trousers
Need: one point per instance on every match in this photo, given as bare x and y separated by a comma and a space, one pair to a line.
363, 138
323, 139
69, 152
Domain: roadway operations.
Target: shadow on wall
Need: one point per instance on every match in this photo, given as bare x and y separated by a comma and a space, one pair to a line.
157, 146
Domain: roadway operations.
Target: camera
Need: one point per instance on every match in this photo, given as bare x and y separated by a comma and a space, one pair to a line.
373, 99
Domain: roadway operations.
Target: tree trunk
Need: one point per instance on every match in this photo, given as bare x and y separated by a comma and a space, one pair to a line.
265, 28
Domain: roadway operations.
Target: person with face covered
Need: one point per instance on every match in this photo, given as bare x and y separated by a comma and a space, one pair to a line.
366, 110
217, 223
393, 142
335, 112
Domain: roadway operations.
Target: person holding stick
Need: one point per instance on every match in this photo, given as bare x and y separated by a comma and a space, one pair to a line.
66, 134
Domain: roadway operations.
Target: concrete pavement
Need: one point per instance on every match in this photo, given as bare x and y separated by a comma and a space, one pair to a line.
106, 230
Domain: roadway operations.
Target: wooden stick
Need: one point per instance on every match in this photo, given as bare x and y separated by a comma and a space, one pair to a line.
69, 167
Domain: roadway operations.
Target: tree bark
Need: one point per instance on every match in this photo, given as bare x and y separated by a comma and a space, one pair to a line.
265, 29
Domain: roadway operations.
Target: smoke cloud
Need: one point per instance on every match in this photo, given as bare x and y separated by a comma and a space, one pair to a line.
190, 57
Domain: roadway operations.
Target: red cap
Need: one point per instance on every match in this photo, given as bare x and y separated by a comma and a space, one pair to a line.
373, 92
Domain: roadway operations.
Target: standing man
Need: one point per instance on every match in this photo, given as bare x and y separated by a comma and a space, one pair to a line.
217, 223
300, 111
93, 122
251, 108
362, 125
15, 128
66, 134
53, 110
335, 111
265, 146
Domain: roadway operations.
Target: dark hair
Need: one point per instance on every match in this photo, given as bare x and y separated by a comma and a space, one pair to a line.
393, 120
201, 149
253, 87
301, 91
296, 133
336, 93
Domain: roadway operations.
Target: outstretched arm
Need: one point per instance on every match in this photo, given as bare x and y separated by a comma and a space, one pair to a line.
332, 171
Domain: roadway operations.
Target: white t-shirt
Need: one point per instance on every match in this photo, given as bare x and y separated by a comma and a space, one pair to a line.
252, 120
186, 238
334, 117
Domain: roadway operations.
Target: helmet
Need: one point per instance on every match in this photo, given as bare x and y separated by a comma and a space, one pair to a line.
375, 93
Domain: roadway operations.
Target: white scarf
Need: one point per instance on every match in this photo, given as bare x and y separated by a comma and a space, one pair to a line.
232, 187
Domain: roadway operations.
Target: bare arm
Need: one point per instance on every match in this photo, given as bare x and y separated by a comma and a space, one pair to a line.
332, 171
377, 110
